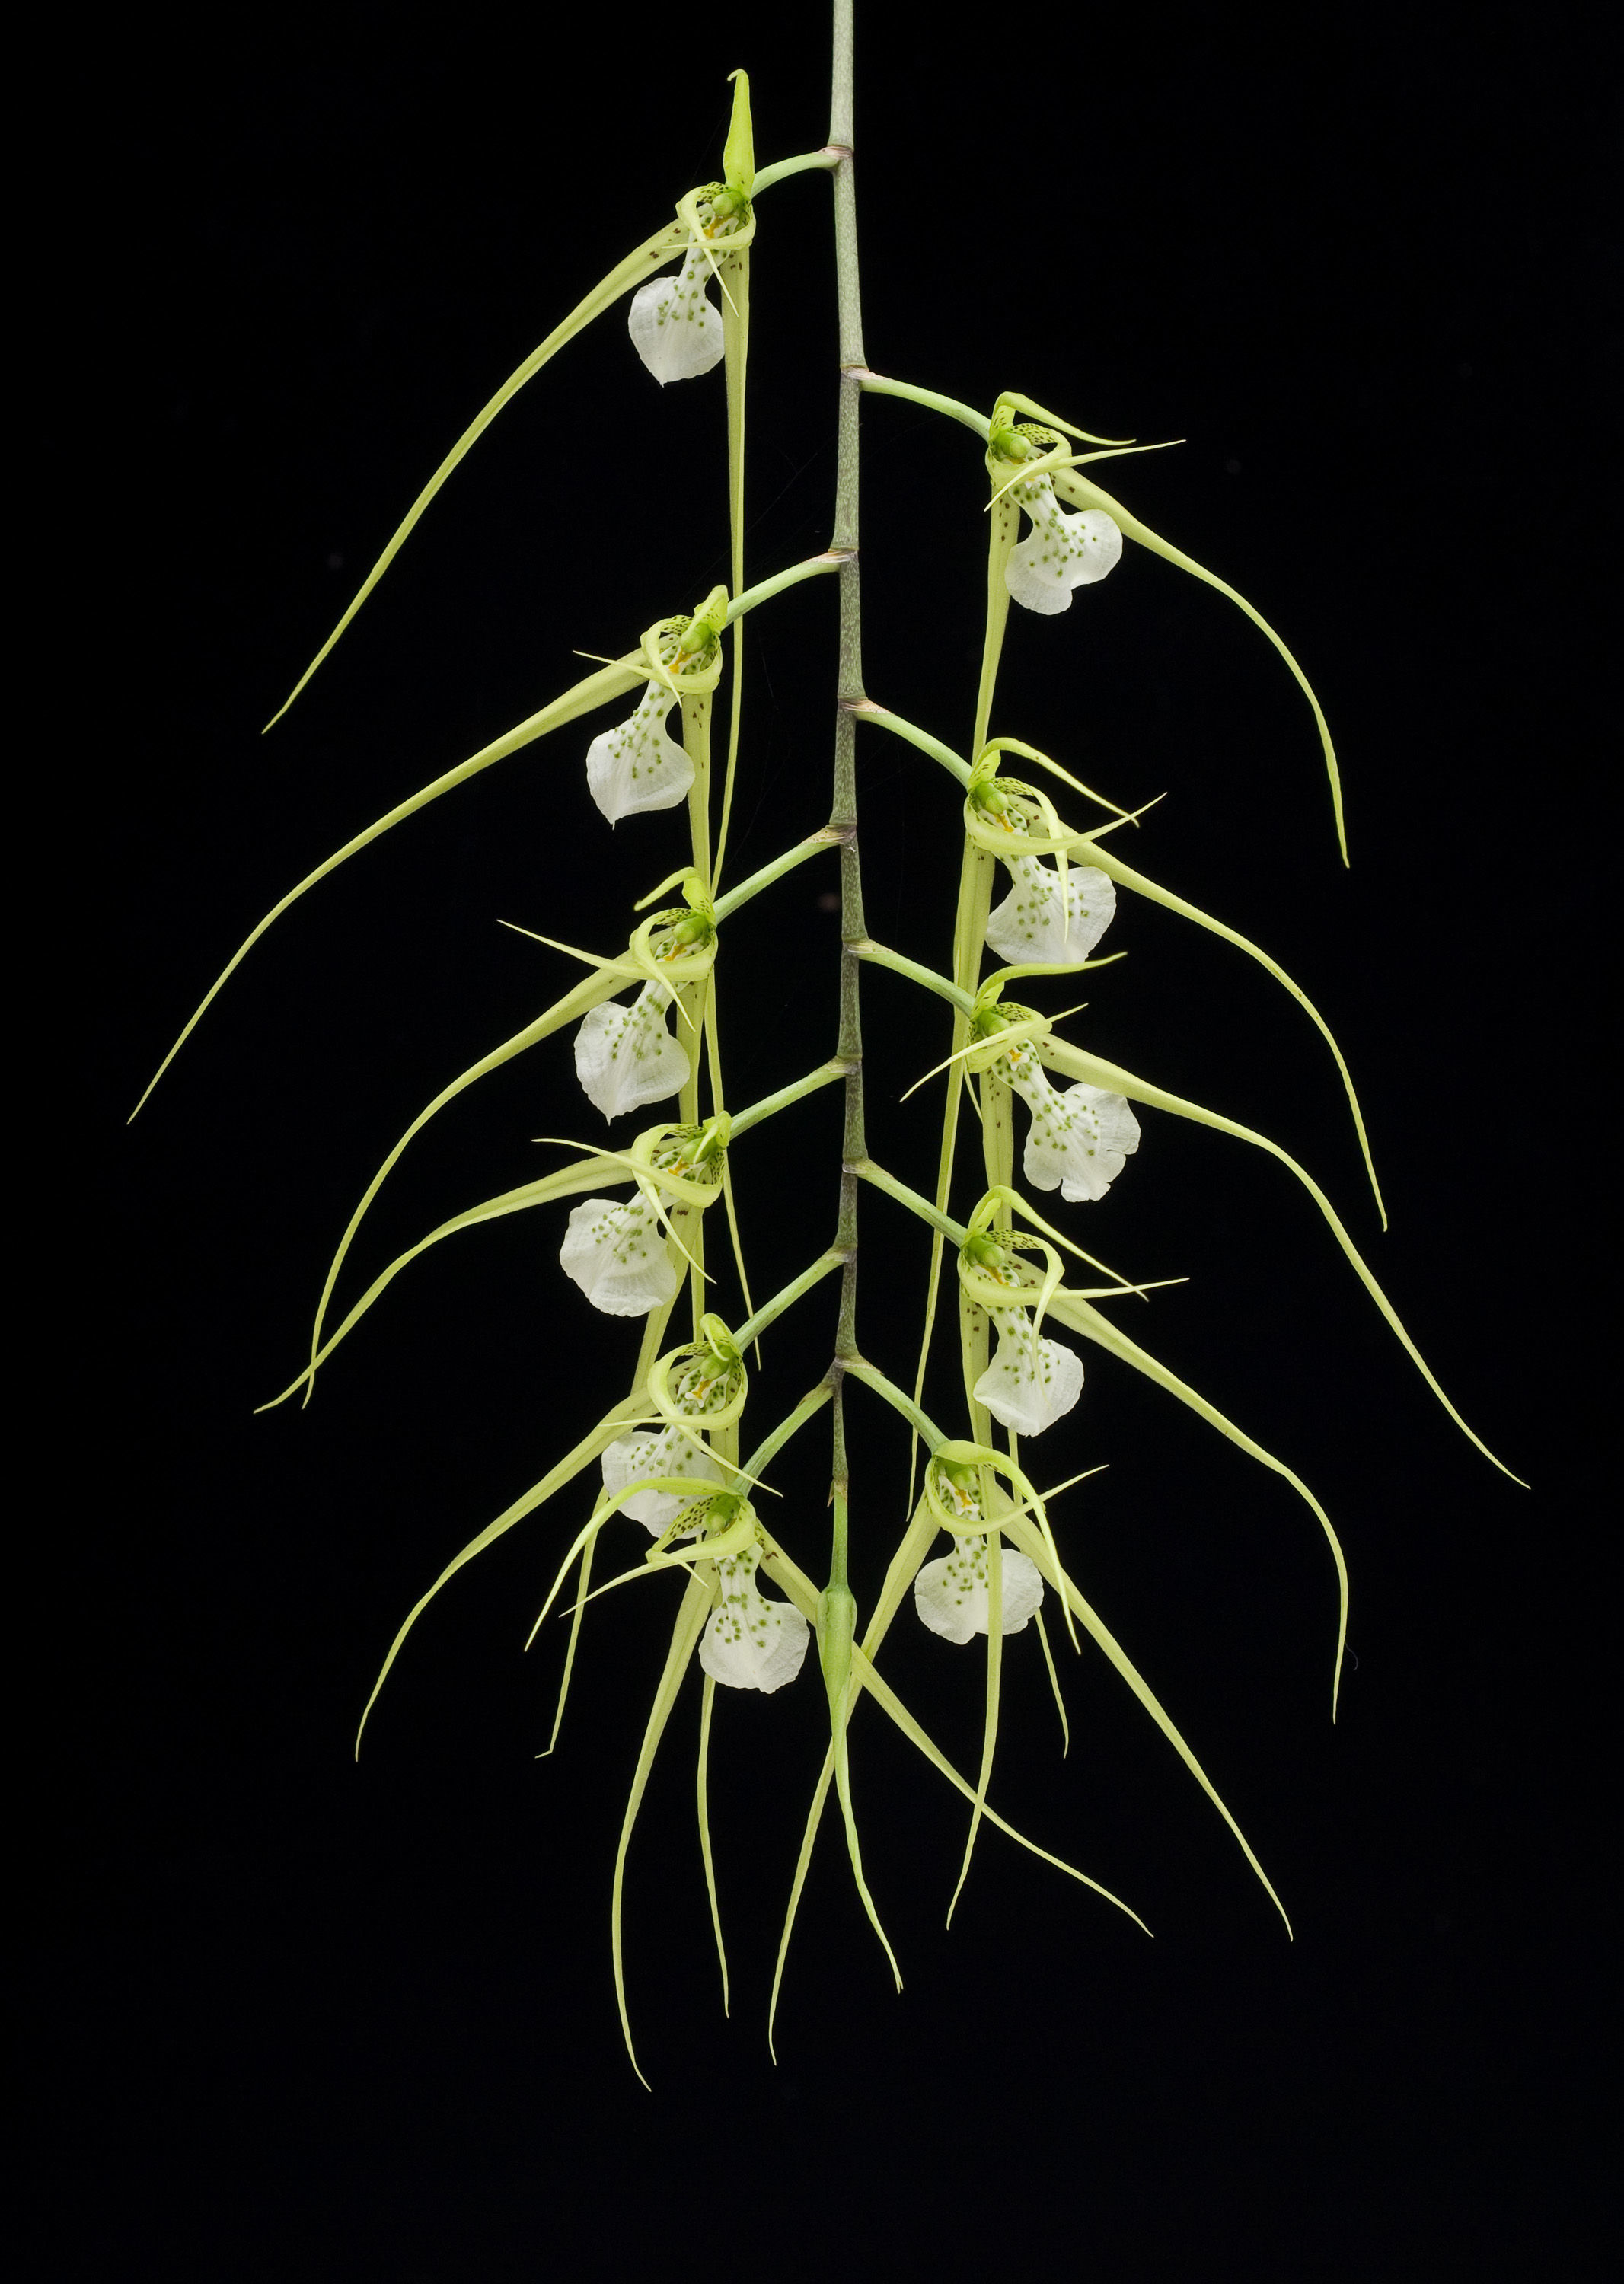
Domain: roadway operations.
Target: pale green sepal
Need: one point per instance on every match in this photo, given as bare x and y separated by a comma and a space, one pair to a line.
701, 1784
1097, 1072
569, 1181
586, 995
1083, 493
1069, 1308
1031, 1544
835, 1624
1090, 852
690, 1617
639, 265
596, 690
590, 1446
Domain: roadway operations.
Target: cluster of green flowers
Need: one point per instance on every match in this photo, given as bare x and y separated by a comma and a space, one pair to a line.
669, 1457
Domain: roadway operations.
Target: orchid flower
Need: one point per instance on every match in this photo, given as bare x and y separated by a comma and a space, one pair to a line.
1032, 1382
625, 1056
649, 1452
750, 1642
1055, 913
675, 326
638, 765
1062, 550
617, 1254
1078, 1140
952, 1594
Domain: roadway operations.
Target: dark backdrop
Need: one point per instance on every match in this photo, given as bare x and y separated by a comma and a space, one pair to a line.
298, 2017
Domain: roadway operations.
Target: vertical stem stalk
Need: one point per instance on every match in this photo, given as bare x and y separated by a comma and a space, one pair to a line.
843, 813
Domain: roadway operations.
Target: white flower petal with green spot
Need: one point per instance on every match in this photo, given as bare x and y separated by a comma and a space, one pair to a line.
1032, 1382
675, 326
1062, 550
1033, 922
663, 1451
636, 765
950, 1595
617, 1255
748, 1642
1078, 1141
626, 1058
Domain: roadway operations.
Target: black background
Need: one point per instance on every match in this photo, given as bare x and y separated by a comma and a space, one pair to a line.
298, 2017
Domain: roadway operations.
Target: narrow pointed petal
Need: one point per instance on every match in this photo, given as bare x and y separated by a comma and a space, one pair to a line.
749, 1642
617, 1255
950, 1594
675, 326
638, 765
1032, 1382
667, 1452
1035, 922
626, 1058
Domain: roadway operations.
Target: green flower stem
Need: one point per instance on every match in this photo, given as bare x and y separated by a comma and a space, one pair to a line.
768, 1448
832, 559
781, 169
869, 712
919, 1421
878, 385
843, 810
823, 1075
925, 976
943, 1223
829, 838
770, 1310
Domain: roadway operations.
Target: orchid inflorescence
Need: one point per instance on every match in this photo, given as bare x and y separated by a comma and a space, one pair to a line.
670, 1458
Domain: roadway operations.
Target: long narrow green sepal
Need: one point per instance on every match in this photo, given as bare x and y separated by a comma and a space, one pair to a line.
569, 1181
590, 1448
639, 265
1070, 1308
1083, 493
1090, 852
690, 1617
596, 690
802, 1592
1032, 1543
586, 995
1098, 1072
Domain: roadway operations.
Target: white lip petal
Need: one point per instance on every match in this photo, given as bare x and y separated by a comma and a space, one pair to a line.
1062, 551
674, 328
1031, 923
1079, 1140
625, 1056
663, 1451
636, 765
1032, 1382
748, 1642
950, 1594
617, 1255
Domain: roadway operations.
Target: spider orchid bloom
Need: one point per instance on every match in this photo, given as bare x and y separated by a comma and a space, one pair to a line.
618, 1256
676, 328
1078, 1140
1032, 1382
637, 766
952, 1594
650, 1452
1054, 914
618, 1253
749, 1641
625, 1056
1063, 548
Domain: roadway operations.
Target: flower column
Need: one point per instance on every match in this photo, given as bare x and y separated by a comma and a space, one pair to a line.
836, 1609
